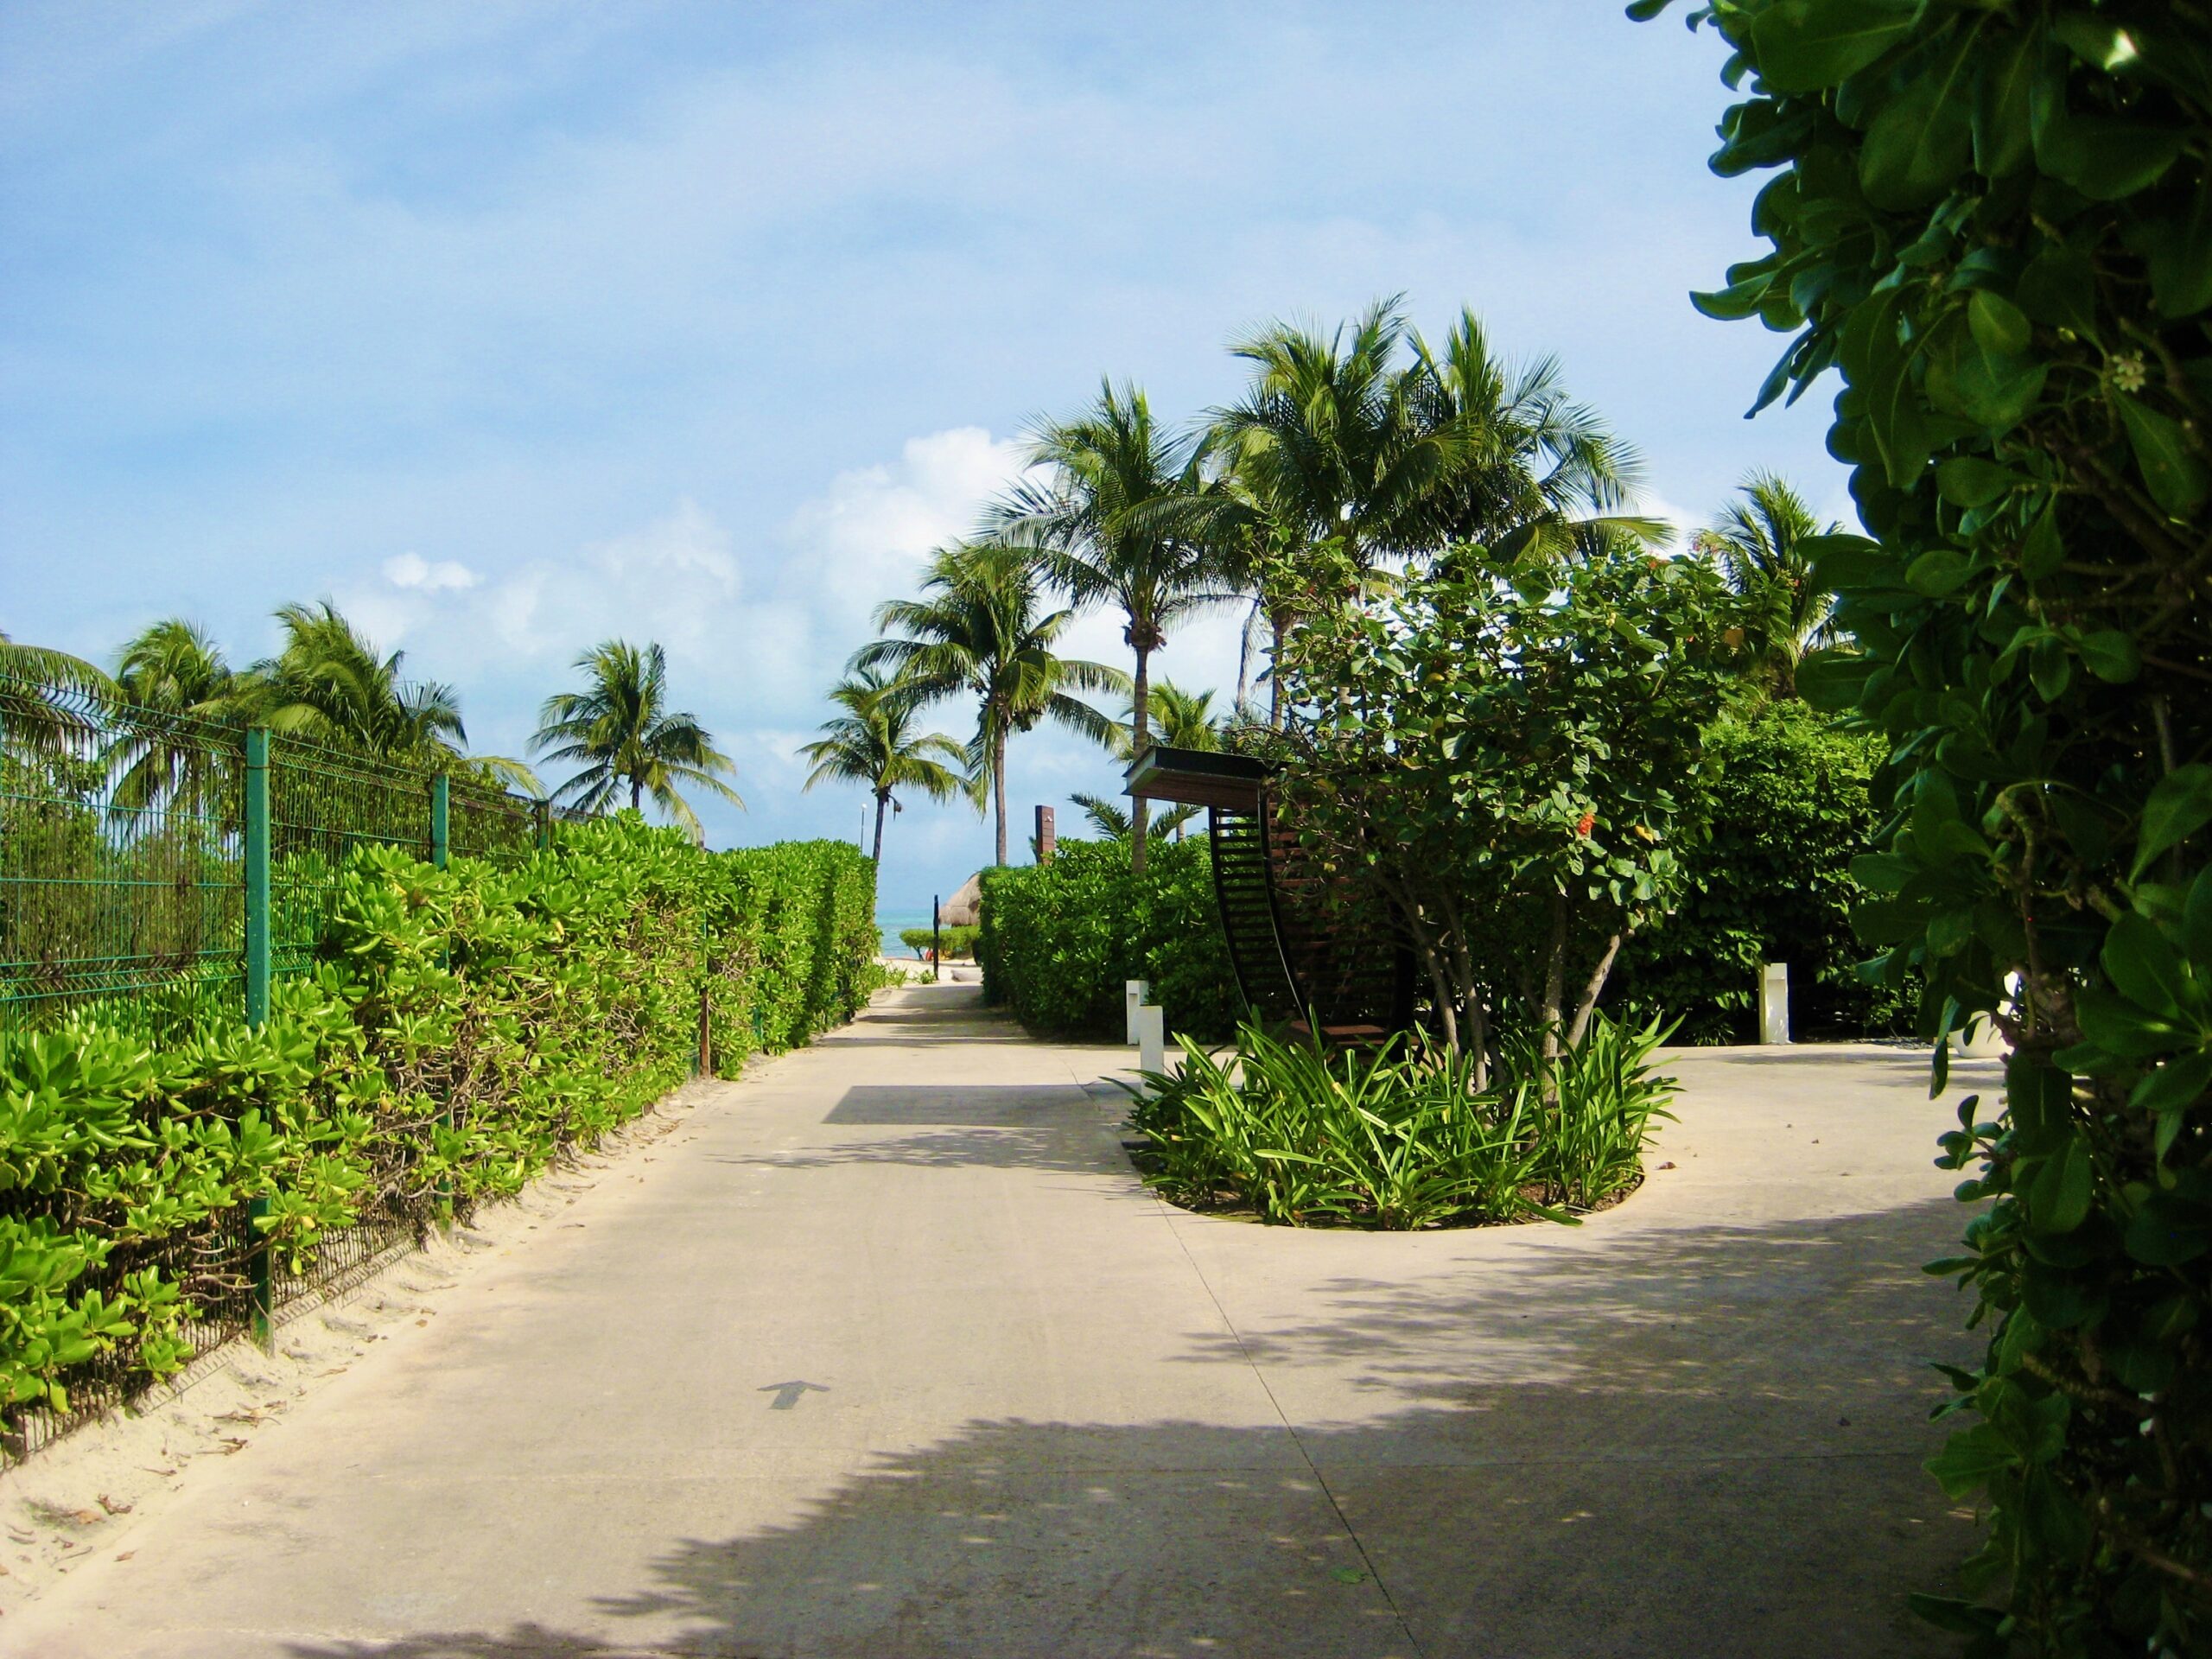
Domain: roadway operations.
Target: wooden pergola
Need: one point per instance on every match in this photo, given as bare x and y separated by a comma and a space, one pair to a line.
1298, 957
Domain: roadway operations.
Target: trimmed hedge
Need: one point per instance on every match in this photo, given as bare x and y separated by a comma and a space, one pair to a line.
1771, 883
1060, 939
460, 1028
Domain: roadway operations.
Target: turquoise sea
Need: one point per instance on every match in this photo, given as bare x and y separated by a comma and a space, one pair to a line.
890, 922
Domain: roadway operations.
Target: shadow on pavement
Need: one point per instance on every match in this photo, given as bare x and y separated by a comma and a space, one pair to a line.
1698, 1441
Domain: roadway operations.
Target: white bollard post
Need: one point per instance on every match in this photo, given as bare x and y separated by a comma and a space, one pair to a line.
1152, 1038
1133, 992
1774, 1003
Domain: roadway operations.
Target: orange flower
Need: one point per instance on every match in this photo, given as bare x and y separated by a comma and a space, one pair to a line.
1584, 824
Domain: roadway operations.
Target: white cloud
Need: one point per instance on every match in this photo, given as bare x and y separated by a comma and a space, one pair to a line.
413, 570
862, 540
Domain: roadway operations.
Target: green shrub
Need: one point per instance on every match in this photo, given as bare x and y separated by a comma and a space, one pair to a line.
456, 1031
1392, 1139
959, 943
1788, 795
1059, 940
1995, 219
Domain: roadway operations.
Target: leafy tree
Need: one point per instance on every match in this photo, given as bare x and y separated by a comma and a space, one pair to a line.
1505, 757
1993, 219
873, 742
620, 726
979, 629
1761, 542
1086, 519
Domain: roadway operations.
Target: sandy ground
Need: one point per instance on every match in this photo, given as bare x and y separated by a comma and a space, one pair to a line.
69, 1503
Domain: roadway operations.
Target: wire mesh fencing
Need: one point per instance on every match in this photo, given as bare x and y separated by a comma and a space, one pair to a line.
121, 881
154, 867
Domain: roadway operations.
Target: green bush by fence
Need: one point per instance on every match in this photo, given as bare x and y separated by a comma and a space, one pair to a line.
1059, 940
1791, 811
449, 985
453, 1032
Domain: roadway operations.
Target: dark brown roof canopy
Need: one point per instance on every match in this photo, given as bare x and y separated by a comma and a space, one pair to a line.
1196, 778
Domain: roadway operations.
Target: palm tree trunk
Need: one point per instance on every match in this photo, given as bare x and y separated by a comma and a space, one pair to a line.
998, 787
637, 794
1279, 623
1140, 735
883, 800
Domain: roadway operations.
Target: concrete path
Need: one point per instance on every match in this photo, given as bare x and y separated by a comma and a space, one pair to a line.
1047, 1415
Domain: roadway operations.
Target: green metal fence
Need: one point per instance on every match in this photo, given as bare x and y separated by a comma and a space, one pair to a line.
164, 867
166, 870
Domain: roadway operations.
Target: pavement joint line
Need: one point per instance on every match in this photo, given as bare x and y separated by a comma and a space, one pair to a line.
1405, 1627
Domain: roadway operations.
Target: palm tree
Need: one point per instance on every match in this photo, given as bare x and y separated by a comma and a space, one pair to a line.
1373, 441
1532, 471
50, 702
173, 679
1759, 544
329, 685
1086, 520
620, 725
1113, 823
978, 629
1181, 720
873, 743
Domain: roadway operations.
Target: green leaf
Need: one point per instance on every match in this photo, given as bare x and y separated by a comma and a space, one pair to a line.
1970, 481
2118, 1027
1921, 142
1992, 389
2043, 552
1998, 325
1939, 571
1801, 46
2179, 806
2178, 479
2144, 967
2196, 920
1832, 680
2106, 157
2059, 289
2176, 1084
2110, 655
2178, 248
2063, 1186
1949, 1614
2166, 1232
2001, 145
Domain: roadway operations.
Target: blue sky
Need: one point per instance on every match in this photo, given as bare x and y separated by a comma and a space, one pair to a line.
512, 326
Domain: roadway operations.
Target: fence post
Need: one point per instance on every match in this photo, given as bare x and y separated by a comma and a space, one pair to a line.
258, 942
258, 954
441, 819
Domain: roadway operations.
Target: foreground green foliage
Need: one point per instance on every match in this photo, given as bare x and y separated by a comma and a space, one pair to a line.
1996, 219
1392, 1138
1060, 940
459, 1030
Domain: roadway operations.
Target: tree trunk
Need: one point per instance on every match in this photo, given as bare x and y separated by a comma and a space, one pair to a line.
1244, 653
1140, 740
1590, 992
1548, 1011
637, 794
883, 800
998, 787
